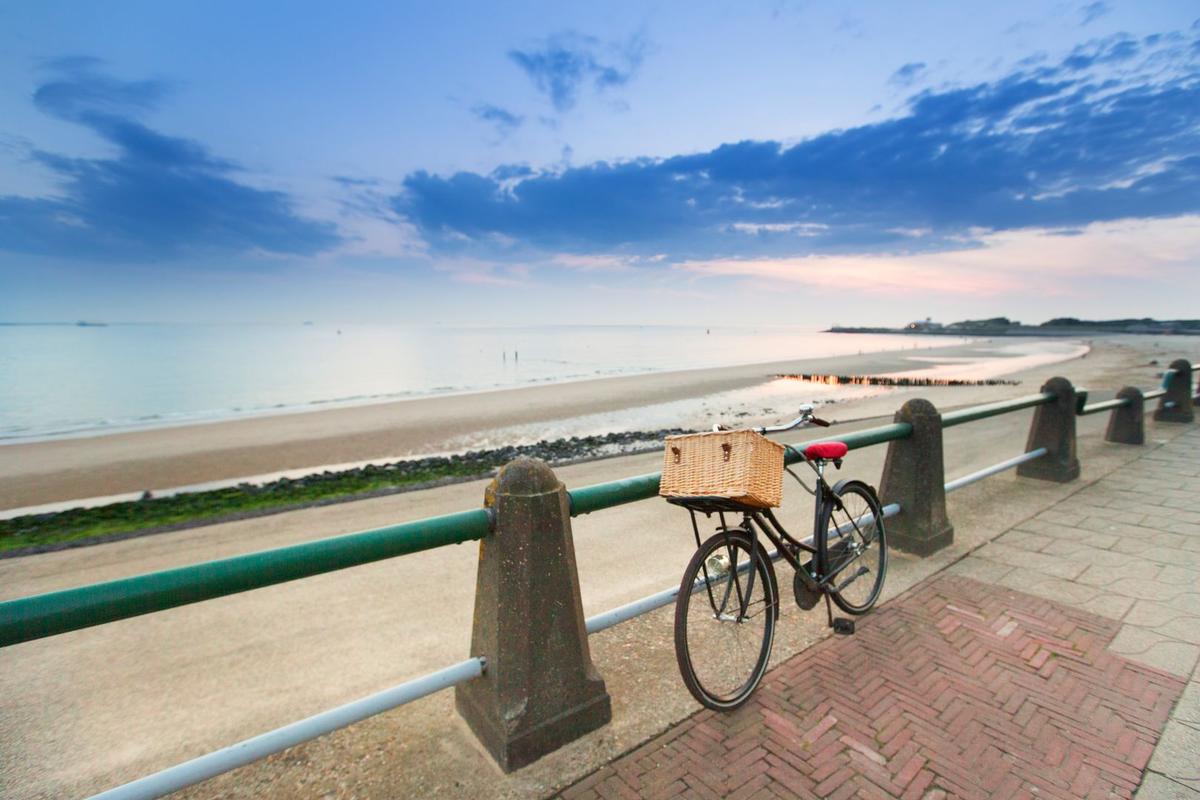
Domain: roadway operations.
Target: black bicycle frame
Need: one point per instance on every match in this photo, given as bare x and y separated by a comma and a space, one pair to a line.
764, 521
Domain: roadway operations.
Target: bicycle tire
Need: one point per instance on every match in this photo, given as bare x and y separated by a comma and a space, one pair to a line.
863, 543
723, 654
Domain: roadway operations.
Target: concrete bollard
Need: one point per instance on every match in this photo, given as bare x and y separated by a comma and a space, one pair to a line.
914, 476
1054, 429
540, 690
1127, 424
1176, 404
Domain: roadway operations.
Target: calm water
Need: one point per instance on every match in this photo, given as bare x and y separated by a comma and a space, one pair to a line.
69, 380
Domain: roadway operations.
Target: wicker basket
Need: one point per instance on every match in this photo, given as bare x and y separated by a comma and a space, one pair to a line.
742, 466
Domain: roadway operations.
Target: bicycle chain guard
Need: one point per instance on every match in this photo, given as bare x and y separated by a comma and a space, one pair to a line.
807, 597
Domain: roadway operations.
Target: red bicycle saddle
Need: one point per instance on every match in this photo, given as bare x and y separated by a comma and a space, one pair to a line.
826, 450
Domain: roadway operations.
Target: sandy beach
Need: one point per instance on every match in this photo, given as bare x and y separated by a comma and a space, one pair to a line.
65, 469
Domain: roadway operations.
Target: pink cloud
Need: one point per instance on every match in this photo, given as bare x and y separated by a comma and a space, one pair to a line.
484, 272
1012, 262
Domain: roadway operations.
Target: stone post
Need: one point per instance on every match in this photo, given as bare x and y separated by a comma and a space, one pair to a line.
914, 476
1176, 404
1127, 425
540, 689
1054, 429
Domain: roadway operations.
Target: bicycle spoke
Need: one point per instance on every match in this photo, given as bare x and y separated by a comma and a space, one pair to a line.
722, 635
857, 553
743, 597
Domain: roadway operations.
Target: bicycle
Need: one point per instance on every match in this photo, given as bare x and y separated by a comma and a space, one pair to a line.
723, 629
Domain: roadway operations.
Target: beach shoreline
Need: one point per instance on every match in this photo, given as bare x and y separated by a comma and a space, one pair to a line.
132, 378
163, 458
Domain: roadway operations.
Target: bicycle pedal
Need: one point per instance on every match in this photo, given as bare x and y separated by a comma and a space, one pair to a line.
843, 626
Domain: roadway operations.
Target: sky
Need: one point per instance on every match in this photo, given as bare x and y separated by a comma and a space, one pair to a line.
617, 163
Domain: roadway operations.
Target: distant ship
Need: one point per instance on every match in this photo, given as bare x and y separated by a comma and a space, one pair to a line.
85, 324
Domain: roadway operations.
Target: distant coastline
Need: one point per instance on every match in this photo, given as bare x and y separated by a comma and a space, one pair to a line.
1060, 326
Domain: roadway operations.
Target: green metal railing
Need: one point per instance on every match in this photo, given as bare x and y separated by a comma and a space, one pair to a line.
71, 609
965, 415
1104, 405
1118, 402
43, 615
53, 613
871, 436
600, 496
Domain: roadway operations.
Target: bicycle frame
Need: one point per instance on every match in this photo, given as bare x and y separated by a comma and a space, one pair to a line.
791, 548
763, 521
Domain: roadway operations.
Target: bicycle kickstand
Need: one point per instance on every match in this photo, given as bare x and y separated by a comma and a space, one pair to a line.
840, 625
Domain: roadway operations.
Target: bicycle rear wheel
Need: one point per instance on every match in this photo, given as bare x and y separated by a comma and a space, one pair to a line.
725, 620
855, 547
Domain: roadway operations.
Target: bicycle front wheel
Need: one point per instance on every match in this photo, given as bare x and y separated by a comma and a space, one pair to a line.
855, 547
725, 620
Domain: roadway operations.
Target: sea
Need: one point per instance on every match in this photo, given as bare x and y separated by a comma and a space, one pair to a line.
84, 380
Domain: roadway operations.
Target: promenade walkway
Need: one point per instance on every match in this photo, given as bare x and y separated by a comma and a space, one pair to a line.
1059, 660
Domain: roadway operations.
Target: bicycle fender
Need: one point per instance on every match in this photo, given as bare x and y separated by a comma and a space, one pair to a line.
837, 487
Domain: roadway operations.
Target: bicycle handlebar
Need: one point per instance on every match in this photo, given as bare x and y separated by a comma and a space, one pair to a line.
806, 418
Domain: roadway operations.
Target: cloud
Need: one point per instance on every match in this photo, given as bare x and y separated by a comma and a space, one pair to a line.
1042, 261
367, 224
158, 197
599, 263
81, 92
1109, 50
504, 120
351, 182
485, 273
1057, 145
560, 65
1094, 11
907, 74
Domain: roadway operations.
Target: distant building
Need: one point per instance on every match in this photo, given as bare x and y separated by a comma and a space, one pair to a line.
926, 324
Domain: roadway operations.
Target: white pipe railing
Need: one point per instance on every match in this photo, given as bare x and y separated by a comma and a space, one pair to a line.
242, 753
986, 472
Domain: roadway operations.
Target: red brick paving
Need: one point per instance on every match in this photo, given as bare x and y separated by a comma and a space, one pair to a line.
956, 689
